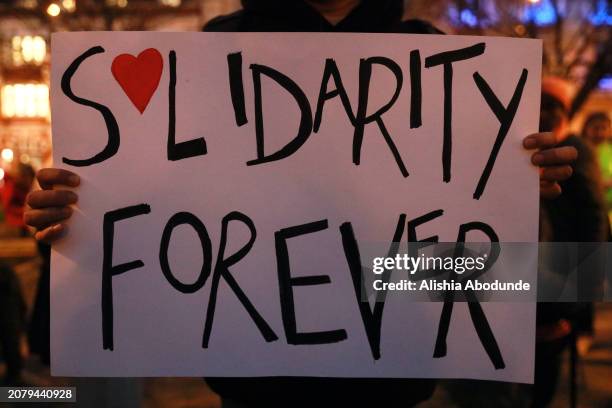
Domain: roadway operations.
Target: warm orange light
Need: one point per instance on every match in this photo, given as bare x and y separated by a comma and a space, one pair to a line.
69, 5
170, 3
117, 3
54, 10
29, 49
25, 101
7, 155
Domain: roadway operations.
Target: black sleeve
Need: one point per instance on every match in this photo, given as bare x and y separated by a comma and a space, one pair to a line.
228, 23
415, 26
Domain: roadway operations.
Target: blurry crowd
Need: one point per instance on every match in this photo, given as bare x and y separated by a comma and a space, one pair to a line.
579, 219
17, 183
17, 323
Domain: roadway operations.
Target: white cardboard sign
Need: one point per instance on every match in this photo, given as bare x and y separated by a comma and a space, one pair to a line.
224, 176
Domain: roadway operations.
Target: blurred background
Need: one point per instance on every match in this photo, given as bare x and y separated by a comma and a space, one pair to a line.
577, 38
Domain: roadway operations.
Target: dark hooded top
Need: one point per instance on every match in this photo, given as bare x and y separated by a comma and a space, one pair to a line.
371, 16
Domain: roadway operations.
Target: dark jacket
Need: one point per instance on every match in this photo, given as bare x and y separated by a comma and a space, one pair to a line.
376, 16
577, 221
579, 214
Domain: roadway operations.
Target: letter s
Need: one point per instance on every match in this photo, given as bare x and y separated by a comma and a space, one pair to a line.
112, 146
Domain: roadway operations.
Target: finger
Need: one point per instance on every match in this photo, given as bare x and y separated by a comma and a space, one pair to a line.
41, 219
51, 198
545, 184
50, 234
555, 156
47, 178
550, 191
540, 140
556, 173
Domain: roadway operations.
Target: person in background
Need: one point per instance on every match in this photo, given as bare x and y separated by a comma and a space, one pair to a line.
597, 130
579, 214
51, 207
577, 219
12, 316
17, 185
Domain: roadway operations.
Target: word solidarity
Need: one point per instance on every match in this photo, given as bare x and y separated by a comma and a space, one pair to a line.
310, 123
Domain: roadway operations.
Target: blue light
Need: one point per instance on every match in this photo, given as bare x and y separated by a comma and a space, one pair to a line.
602, 14
468, 18
542, 14
463, 17
605, 83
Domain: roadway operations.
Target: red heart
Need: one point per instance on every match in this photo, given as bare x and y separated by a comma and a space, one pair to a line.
139, 76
